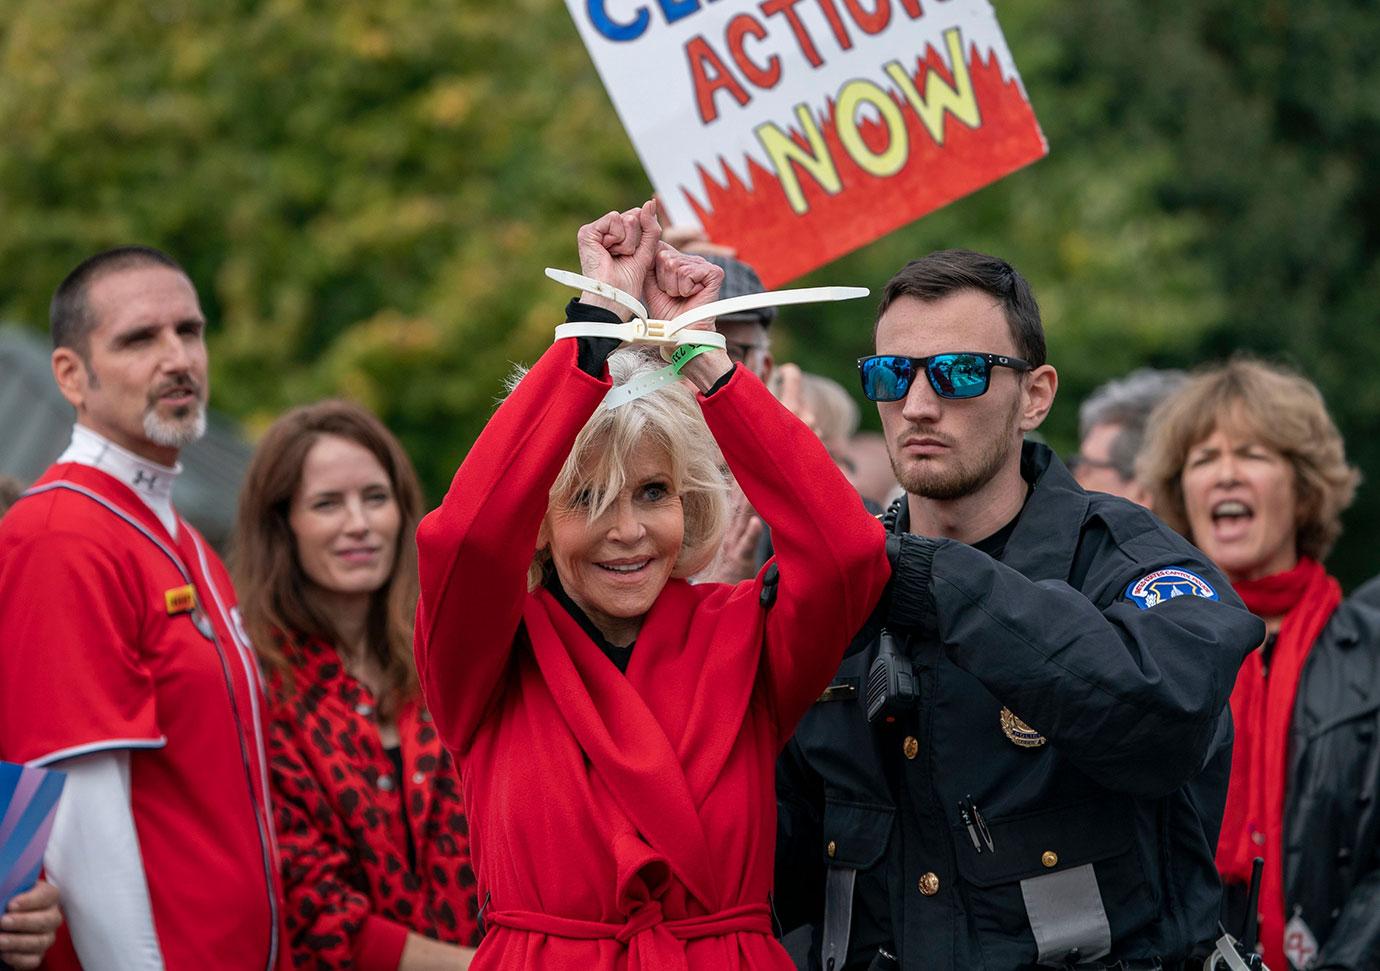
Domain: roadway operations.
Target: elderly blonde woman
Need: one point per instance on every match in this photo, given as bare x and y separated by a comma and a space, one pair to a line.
617, 726
1246, 463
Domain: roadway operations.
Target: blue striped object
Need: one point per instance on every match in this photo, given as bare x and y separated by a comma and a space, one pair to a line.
28, 803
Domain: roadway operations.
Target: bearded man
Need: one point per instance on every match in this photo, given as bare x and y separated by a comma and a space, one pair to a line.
122, 659
1023, 759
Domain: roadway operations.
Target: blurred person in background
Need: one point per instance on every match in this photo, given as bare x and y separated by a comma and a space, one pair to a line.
872, 472
122, 659
617, 725
1245, 461
747, 335
375, 848
1111, 429
826, 407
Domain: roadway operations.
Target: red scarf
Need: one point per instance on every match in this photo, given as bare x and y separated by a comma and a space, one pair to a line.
1262, 706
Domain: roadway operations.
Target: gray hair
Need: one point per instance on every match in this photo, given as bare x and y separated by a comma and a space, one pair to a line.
1128, 402
670, 417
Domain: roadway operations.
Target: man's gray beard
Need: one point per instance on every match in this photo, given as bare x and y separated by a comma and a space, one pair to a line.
178, 432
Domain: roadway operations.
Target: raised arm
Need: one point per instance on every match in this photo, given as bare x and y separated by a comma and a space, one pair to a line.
830, 554
474, 551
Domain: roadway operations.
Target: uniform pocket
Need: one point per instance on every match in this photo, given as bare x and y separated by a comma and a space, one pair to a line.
855, 834
1098, 834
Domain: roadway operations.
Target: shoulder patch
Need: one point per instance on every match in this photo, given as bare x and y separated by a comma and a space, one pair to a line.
1162, 585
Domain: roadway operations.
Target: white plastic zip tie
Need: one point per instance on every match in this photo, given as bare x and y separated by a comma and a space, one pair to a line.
669, 334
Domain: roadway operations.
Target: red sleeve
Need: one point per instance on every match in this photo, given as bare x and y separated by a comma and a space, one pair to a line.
329, 923
72, 678
473, 552
830, 551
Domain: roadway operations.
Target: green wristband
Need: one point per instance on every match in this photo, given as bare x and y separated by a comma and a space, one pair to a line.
685, 353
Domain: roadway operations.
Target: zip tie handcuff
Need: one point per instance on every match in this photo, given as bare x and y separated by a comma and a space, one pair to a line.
671, 335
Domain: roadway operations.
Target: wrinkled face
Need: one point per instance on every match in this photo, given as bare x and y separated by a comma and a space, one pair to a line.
143, 382
941, 448
345, 518
615, 567
1242, 505
1094, 470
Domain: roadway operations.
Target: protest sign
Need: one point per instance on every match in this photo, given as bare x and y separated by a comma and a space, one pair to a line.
28, 803
799, 130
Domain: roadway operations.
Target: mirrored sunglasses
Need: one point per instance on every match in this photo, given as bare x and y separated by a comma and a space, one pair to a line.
965, 374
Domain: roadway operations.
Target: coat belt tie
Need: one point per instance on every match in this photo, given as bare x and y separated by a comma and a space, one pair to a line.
650, 937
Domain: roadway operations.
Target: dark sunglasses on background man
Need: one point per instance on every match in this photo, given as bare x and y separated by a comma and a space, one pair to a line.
966, 374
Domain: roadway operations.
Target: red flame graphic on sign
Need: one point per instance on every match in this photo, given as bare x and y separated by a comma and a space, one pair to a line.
755, 217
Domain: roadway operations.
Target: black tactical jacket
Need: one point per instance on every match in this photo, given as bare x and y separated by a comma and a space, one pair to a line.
1128, 786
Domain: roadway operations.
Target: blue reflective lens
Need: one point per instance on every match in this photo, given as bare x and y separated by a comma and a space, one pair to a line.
887, 378
958, 375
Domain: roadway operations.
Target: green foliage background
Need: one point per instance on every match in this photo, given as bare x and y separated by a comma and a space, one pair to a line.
365, 193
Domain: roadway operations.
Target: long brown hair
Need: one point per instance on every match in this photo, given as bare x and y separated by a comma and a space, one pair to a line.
275, 594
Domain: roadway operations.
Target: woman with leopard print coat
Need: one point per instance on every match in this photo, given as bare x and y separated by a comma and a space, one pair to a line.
373, 836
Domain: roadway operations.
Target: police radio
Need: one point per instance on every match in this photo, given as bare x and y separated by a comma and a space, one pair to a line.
892, 689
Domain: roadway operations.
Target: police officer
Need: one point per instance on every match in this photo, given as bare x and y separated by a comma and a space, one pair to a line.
1023, 759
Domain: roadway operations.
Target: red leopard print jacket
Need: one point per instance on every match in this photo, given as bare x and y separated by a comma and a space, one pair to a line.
351, 894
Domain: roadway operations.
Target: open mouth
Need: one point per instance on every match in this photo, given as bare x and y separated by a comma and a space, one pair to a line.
625, 567
178, 396
1231, 518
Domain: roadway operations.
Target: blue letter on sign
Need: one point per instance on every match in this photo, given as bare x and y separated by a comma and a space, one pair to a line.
676, 9
611, 28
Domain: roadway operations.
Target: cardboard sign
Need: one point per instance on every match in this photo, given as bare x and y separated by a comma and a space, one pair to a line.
799, 130
28, 803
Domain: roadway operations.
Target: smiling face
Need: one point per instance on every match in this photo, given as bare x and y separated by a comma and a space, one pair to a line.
615, 566
345, 519
142, 381
1242, 504
942, 448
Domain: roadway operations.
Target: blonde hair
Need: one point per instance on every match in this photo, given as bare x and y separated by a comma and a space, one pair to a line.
669, 418
1274, 406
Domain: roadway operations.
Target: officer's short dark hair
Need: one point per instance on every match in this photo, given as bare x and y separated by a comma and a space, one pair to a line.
68, 314
949, 271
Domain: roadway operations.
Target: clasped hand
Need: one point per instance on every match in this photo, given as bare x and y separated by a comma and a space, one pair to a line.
625, 250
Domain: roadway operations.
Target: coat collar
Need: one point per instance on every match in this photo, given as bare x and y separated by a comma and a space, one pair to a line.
1048, 527
635, 758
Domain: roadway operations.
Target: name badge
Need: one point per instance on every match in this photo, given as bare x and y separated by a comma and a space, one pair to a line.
180, 600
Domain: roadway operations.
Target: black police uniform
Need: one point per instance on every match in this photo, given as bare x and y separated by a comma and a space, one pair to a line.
1056, 795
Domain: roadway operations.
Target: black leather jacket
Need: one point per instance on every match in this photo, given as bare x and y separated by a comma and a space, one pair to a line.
1332, 801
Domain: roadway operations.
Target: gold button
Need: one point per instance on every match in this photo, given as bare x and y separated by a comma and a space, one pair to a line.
911, 747
1049, 858
929, 884
832, 848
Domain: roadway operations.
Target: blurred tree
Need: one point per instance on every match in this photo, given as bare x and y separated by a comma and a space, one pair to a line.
366, 193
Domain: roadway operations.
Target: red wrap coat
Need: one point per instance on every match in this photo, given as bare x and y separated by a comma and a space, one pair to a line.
629, 822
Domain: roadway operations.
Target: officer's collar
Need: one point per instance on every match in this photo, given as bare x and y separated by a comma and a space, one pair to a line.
1048, 527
